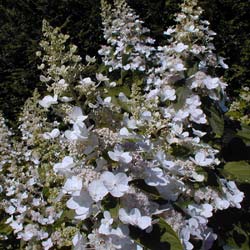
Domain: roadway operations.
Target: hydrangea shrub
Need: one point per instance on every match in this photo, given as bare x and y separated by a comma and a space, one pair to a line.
117, 155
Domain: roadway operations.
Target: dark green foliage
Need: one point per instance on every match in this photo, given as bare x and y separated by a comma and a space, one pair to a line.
237, 170
157, 15
162, 237
230, 20
20, 33
233, 225
17, 61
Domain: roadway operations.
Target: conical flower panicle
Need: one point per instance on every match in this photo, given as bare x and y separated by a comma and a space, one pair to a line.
128, 47
193, 39
6, 147
32, 119
61, 66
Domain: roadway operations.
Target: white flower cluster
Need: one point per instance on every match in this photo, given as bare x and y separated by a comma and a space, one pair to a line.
128, 48
119, 153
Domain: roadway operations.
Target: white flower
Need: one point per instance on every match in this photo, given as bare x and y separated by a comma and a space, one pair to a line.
106, 222
90, 59
120, 156
198, 132
153, 93
61, 82
44, 78
193, 101
198, 177
17, 226
131, 123
221, 62
193, 224
155, 177
73, 185
190, 28
51, 135
211, 83
79, 132
66, 99
167, 94
79, 242
233, 194
177, 129
81, 204
146, 115
106, 102
65, 166
180, 47
112, 84
167, 112
30, 231
179, 67
10, 210
181, 115
47, 244
97, 190
134, 218
197, 115
172, 189
221, 204
48, 100
101, 78
124, 132
161, 158
204, 210
76, 116
127, 67
117, 184
207, 210
202, 159
169, 31
86, 81
185, 236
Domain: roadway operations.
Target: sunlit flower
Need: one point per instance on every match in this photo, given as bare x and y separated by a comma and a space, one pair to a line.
81, 204
65, 166
51, 135
117, 185
48, 100
97, 190
202, 159
135, 218
120, 156
73, 185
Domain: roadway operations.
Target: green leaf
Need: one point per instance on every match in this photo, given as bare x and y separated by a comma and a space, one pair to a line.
125, 59
162, 236
192, 70
67, 215
238, 240
116, 90
5, 228
182, 94
244, 133
180, 151
238, 170
169, 236
112, 205
217, 122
